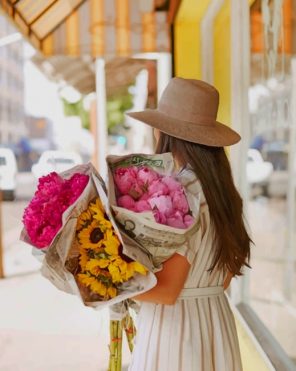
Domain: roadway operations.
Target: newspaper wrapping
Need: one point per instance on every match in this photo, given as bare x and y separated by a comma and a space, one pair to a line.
158, 241
60, 260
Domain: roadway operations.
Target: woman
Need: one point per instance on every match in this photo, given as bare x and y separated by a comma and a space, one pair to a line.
185, 321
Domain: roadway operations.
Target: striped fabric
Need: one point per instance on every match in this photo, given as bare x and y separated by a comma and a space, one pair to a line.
108, 28
198, 333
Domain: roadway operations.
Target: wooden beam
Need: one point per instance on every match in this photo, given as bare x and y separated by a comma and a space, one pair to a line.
63, 20
173, 10
42, 13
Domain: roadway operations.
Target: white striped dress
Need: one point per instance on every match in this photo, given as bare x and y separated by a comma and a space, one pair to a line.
197, 333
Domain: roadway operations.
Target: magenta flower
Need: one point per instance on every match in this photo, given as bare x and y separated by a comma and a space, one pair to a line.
43, 216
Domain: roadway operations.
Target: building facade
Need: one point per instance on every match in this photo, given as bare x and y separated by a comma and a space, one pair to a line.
12, 127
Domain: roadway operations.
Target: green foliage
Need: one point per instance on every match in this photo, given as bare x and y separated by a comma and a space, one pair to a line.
77, 109
116, 106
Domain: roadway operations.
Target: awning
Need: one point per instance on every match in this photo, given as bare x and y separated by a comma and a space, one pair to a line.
108, 28
79, 72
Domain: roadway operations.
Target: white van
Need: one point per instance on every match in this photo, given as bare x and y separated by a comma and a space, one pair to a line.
55, 161
8, 171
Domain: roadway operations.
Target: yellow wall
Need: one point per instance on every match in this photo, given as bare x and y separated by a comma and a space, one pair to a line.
187, 38
188, 63
222, 61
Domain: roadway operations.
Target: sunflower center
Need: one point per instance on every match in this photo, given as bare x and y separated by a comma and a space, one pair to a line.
96, 235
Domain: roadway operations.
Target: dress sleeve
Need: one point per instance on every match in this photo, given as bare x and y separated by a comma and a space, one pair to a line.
191, 247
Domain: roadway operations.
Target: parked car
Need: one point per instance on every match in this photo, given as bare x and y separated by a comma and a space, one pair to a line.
258, 170
55, 161
8, 171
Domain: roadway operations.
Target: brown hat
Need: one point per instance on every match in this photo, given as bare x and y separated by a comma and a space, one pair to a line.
188, 110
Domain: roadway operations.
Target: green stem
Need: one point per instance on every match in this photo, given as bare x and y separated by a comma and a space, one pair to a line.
130, 331
115, 347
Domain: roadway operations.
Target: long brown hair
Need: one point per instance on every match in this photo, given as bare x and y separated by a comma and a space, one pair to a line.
212, 168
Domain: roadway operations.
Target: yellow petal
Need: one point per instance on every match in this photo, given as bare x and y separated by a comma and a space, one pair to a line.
99, 288
103, 263
115, 273
112, 292
138, 267
85, 279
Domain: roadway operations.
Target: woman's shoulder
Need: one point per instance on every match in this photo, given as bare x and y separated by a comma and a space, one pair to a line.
188, 178
195, 196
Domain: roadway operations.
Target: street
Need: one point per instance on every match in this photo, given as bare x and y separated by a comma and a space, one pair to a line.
42, 328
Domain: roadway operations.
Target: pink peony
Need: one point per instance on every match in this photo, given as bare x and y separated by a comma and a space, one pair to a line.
176, 220
159, 218
163, 204
188, 220
172, 184
142, 206
144, 197
158, 188
127, 202
136, 191
125, 178
180, 202
147, 175
176, 223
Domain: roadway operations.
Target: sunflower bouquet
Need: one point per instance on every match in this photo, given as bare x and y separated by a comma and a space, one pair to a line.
103, 269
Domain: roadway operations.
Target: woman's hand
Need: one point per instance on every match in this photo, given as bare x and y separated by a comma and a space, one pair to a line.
170, 282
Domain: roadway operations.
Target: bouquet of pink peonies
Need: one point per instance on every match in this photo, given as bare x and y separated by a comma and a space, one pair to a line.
142, 189
153, 203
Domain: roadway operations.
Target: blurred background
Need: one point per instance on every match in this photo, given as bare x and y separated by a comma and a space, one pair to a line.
69, 70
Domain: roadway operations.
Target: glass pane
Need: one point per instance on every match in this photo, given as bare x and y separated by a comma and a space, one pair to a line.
271, 174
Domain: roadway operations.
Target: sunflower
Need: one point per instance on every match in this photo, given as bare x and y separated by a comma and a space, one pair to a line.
115, 273
84, 219
94, 266
83, 258
91, 237
85, 279
104, 223
111, 243
96, 206
112, 292
99, 288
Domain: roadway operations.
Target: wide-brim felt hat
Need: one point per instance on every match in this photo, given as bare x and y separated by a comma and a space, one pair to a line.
188, 110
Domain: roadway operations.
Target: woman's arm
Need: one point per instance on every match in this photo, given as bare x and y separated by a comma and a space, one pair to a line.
170, 282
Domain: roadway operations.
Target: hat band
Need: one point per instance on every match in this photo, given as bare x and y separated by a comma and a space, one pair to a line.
188, 116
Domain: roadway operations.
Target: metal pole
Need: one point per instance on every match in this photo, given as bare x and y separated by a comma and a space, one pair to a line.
1, 235
240, 81
101, 115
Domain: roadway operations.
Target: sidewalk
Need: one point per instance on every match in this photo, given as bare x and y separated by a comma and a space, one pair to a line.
44, 329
